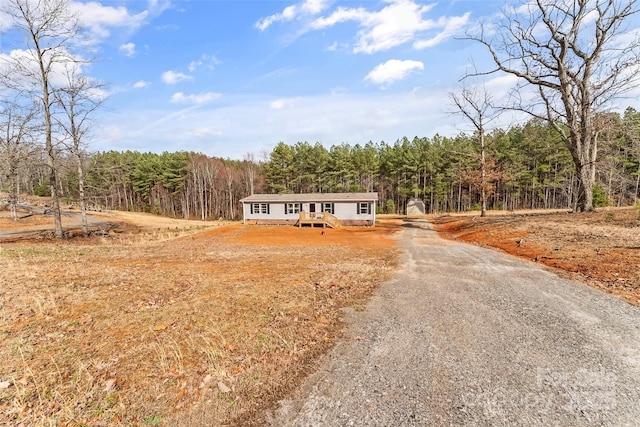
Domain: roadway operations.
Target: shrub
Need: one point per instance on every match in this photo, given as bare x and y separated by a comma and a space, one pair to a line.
390, 207
599, 197
41, 190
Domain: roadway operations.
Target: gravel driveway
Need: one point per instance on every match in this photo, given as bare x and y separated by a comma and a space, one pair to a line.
468, 336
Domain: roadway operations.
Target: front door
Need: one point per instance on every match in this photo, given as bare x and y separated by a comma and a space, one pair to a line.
312, 207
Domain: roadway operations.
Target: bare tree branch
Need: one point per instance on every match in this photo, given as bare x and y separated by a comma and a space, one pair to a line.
50, 30
579, 57
476, 105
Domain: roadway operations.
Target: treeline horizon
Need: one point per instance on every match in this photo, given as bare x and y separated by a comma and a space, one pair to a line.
528, 167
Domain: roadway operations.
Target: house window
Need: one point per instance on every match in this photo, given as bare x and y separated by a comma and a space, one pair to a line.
364, 208
260, 208
293, 208
327, 207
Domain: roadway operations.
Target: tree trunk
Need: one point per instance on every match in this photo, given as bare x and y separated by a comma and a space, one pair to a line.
585, 194
13, 193
83, 207
585, 161
483, 180
635, 194
55, 200
13, 197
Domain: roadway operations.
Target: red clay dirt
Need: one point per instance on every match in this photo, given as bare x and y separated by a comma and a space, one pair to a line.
600, 248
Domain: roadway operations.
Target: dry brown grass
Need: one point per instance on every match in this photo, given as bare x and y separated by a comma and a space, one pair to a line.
174, 325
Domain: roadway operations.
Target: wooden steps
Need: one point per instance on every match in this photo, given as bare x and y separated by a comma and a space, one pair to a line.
315, 218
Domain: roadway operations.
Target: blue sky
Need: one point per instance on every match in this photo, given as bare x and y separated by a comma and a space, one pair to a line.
230, 77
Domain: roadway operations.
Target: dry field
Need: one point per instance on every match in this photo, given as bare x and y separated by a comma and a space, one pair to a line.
163, 322
600, 248
170, 322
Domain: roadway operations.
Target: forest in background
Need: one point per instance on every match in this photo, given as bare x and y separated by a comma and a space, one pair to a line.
572, 154
528, 167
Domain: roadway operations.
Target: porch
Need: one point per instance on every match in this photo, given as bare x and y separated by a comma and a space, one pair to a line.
318, 218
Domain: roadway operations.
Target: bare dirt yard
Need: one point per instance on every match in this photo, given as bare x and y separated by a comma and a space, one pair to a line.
600, 248
153, 321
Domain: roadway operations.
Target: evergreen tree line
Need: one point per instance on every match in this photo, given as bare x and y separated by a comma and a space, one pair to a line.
572, 155
528, 167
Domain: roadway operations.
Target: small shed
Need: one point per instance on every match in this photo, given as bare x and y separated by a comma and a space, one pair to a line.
415, 207
314, 209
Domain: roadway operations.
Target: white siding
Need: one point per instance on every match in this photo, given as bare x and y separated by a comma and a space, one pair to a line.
276, 211
343, 209
349, 211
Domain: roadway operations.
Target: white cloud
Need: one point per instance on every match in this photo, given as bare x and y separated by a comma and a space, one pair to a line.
393, 70
100, 18
313, 7
342, 14
59, 71
450, 26
394, 25
129, 49
172, 77
5, 20
277, 104
335, 46
207, 61
249, 125
201, 132
141, 84
501, 82
112, 132
306, 8
280, 104
401, 21
198, 99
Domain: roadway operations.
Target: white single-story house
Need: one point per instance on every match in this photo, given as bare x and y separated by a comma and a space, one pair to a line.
325, 209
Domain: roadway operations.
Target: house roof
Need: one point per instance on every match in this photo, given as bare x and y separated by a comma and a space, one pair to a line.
311, 197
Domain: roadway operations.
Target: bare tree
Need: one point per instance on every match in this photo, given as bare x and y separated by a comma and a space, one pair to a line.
250, 170
17, 130
476, 105
578, 58
79, 99
50, 30
230, 176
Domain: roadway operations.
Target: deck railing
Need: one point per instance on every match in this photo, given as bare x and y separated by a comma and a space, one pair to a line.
324, 218
331, 220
